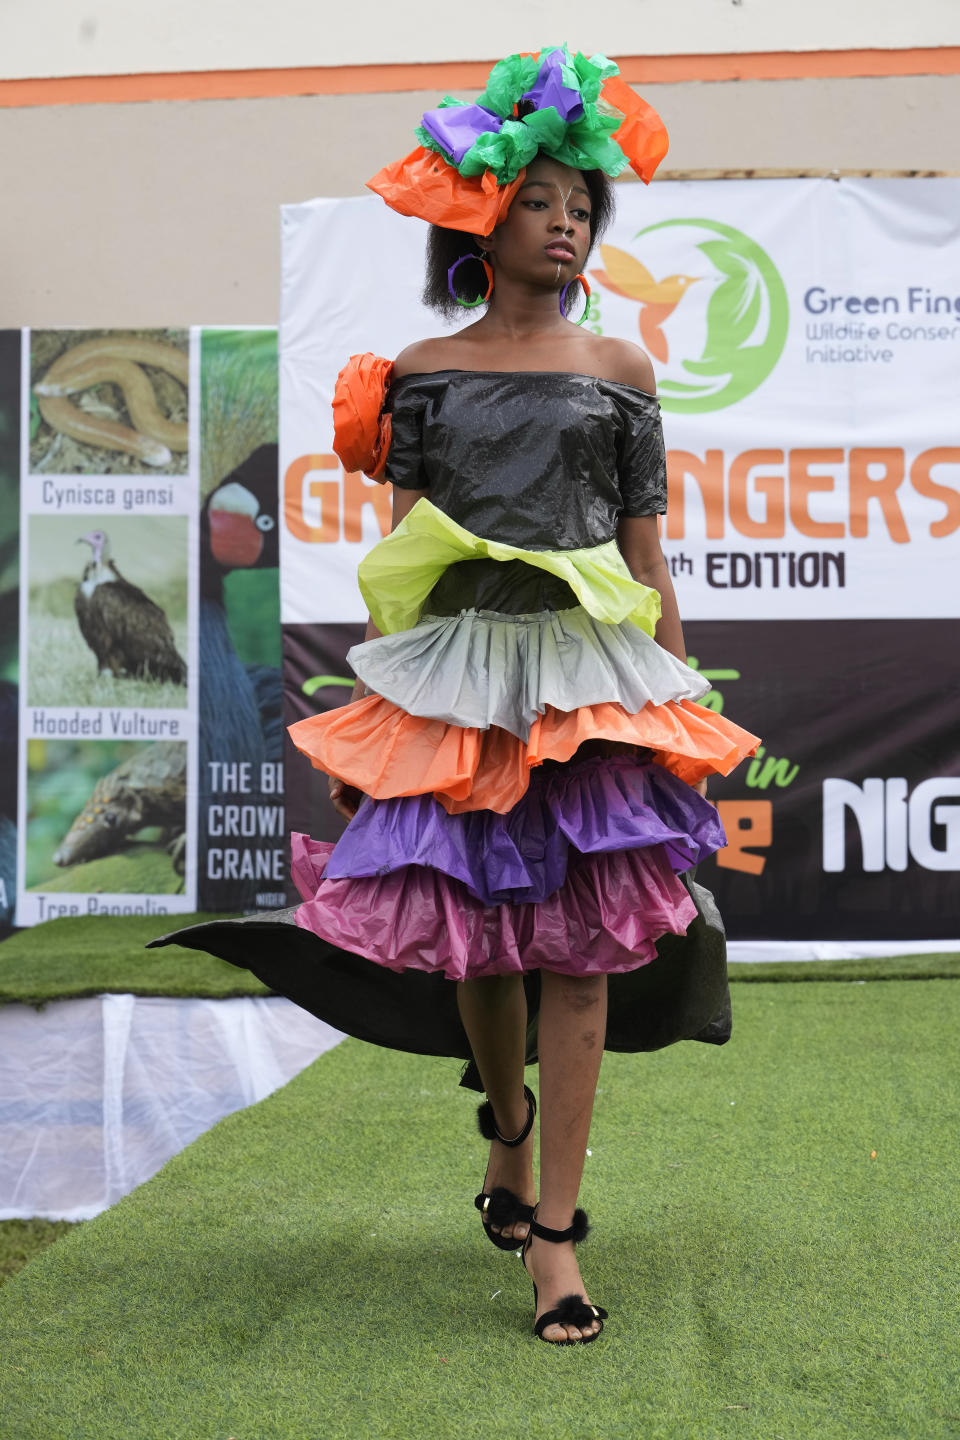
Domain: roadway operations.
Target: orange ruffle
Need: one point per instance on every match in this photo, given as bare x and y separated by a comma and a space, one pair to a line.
385, 752
423, 184
361, 430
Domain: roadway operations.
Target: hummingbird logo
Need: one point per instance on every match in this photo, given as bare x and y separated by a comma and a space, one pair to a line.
657, 298
724, 342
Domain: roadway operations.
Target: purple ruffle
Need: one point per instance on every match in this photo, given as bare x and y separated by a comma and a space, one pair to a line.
604, 920
592, 806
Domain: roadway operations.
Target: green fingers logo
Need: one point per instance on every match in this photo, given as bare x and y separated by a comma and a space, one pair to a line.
717, 343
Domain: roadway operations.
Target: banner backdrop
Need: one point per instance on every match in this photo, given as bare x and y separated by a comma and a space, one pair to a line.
148, 772
806, 338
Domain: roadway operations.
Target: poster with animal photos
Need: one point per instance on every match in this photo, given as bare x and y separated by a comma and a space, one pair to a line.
144, 680
9, 618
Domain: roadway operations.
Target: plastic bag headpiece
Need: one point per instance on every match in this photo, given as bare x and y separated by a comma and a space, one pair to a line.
471, 158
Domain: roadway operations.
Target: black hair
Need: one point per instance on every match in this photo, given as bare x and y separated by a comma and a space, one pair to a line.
445, 247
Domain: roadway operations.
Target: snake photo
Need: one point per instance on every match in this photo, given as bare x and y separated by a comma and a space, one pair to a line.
116, 359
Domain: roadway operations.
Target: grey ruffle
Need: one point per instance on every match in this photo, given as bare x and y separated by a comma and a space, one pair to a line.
483, 668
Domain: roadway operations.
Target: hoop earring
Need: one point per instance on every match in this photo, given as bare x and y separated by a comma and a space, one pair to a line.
563, 295
480, 300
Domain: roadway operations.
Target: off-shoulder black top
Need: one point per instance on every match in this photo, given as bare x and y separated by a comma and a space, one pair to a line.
542, 459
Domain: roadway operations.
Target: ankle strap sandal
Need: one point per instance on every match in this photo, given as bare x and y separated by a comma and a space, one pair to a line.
500, 1206
572, 1310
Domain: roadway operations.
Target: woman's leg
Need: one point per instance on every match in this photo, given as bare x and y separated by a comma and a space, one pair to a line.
494, 1015
572, 1028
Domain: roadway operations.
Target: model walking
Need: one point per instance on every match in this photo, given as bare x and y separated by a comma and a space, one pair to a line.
522, 763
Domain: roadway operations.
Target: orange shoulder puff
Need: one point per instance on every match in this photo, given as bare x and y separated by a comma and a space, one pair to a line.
361, 430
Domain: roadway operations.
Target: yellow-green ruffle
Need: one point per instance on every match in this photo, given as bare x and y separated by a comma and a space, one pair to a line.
397, 575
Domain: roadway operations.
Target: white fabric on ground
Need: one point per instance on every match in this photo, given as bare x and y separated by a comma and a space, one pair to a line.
97, 1094
762, 952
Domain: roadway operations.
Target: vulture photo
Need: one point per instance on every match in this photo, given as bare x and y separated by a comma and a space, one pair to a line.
127, 632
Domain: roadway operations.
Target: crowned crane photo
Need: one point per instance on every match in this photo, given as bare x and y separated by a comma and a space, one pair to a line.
241, 703
128, 633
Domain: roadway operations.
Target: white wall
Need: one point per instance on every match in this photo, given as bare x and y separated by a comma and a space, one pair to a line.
169, 213
107, 37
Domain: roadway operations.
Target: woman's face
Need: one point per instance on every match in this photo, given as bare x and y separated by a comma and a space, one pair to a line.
545, 238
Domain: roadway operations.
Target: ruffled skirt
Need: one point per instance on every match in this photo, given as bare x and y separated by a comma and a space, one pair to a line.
527, 775
527, 756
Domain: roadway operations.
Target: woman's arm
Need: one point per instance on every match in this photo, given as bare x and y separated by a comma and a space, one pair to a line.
346, 798
403, 503
639, 541
639, 536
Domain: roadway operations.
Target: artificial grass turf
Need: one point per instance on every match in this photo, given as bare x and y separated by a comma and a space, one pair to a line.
90, 955
21, 1240
312, 1266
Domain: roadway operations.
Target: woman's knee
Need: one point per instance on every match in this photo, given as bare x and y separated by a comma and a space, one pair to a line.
576, 992
489, 992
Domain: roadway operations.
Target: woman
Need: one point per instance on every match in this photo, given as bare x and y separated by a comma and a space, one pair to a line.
522, 765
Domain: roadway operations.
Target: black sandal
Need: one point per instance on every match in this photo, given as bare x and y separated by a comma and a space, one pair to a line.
501, 1207
572, 1309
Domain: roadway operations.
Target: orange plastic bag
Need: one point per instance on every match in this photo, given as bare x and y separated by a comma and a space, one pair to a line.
424, 185
361, 431
385, 752
686, 738
643, 136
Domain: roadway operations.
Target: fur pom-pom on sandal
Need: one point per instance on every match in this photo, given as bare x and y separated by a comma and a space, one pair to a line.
500, 1206
572, 1310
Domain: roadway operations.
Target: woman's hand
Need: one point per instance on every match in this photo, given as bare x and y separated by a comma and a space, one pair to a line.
344, 798
639, 543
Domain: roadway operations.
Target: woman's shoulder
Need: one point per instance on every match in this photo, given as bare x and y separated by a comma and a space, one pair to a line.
607, 359
423, 357
622, 363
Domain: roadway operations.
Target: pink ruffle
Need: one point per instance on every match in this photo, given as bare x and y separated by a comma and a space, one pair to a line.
603, 920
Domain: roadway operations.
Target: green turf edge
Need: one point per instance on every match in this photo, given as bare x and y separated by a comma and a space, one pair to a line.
96, 955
